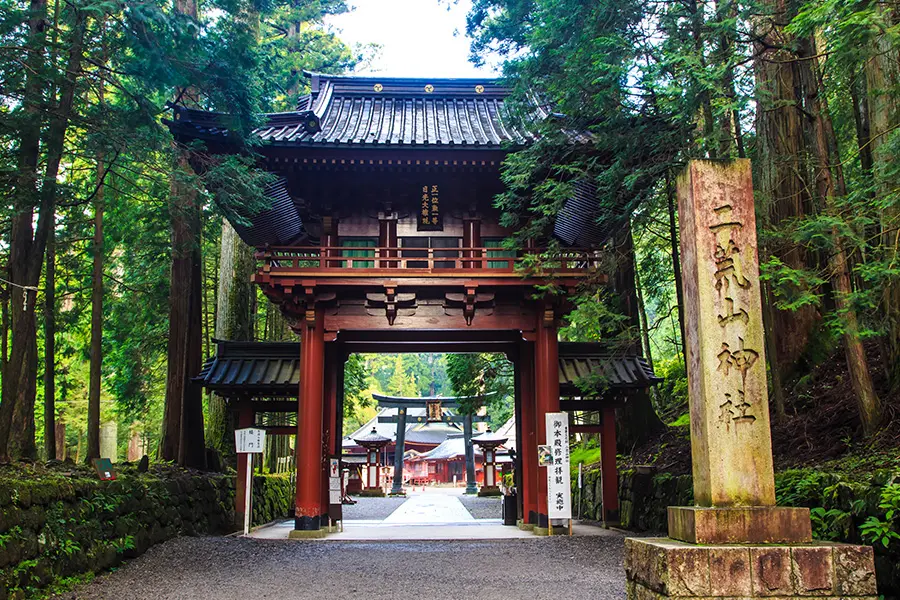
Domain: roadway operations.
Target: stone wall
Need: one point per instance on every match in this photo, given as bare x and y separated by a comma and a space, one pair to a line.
840, 504
57, 525
273, 498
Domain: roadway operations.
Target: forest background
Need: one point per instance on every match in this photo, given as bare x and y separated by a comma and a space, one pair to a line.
120, 269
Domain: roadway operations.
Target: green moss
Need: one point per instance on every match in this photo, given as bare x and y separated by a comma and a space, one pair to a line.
56, 525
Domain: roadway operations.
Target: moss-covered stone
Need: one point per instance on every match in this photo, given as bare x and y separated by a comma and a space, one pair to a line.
59, 524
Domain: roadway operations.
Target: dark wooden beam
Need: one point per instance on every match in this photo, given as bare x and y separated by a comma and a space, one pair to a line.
285, 406
586, 428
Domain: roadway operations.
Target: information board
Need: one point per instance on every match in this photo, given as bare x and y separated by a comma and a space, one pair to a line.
559, 486
249, 440
334, 481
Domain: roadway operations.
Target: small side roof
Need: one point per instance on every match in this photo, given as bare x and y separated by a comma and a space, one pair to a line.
273, 369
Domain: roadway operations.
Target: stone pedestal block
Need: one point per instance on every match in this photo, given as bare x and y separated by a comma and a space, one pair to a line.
753, 525
658, 568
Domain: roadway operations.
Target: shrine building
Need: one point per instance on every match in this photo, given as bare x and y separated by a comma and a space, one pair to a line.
382, 236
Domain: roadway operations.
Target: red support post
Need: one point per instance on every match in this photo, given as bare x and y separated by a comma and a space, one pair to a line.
307, 516
546, 369
244, 420
329, 421
528, 447
610, 492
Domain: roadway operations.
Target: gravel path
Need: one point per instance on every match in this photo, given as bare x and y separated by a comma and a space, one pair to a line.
482, 508
236, 568
371, 508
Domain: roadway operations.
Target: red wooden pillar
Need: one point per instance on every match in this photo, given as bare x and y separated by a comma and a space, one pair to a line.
308, 501
528, 446
546, 371
329, 420
610, 492
244, 419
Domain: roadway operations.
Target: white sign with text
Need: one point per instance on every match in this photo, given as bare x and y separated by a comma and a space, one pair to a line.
249, 440
559, 486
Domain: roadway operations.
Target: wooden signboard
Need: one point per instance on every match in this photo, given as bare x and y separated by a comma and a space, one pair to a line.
433, 411
104, 469
429, 215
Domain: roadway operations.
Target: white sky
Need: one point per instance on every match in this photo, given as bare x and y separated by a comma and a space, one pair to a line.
418, 38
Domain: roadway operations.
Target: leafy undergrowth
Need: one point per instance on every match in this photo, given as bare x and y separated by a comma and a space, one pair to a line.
587, 456
821, 430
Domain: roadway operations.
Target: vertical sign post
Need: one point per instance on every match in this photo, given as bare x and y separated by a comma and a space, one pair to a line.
249, 441
559, 484
335, 490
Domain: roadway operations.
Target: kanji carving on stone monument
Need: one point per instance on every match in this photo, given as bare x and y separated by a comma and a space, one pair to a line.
741, 359
724, 336
733, 315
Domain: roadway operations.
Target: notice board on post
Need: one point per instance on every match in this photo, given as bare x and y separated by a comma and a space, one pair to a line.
559, 485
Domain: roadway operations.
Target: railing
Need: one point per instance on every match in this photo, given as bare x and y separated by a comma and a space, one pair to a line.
287, 260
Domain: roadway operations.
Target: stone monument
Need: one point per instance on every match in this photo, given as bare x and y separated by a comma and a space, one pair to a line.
735, 542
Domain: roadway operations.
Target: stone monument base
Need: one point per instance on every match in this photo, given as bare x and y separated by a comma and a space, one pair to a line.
489, 491
658, 568
735, 525
371, 493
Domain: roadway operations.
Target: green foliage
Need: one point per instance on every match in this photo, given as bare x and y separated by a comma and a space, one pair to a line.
885, 531
483, 375
672, 393
239, 58
584, 455
683, 421
832, 524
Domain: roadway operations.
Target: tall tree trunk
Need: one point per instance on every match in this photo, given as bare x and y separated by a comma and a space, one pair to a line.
16, 375
93, 417
777, 389
729, 119
708, 145
50, 301
27, 253
676, 260
642, 314
182, 433
233, 322
182, 436
882, 71
638, 420
50, 349
830, 185
780, 162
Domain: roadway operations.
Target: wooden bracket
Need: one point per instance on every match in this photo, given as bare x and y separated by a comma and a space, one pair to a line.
390, 303
469, 308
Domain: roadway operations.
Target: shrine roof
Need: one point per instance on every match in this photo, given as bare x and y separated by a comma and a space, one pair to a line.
417, 432
383, 112
448, 450
253, 369
579, 361
273, 369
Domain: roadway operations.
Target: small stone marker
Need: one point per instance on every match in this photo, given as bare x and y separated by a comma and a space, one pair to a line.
731, 447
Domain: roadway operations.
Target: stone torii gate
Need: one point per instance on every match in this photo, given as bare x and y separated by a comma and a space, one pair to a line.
431, 404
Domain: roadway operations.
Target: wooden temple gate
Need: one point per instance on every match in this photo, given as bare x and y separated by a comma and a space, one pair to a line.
382, 237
